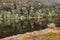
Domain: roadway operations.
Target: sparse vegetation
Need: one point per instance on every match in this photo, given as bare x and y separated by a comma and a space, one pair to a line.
35, 36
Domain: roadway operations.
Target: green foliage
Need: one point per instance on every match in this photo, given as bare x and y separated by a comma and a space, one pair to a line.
9, 0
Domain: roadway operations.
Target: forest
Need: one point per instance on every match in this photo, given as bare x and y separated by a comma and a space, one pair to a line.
29, 20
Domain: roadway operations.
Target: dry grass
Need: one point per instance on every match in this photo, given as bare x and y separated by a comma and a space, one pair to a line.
36, 35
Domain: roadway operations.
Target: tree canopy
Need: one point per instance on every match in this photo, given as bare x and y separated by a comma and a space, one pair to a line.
9, 0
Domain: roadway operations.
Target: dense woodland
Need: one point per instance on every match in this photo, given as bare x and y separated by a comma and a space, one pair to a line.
17, 17
13, 9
